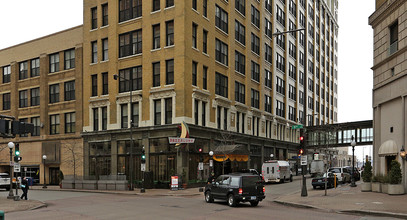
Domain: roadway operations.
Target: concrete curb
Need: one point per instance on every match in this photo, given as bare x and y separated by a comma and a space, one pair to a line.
375, 213
43, 205
355, 212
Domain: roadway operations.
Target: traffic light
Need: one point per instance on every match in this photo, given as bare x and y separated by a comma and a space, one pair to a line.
301, 152
17, 159
143, 155
17, 150
200, 150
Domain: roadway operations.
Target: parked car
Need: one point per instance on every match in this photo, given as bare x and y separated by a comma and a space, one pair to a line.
342, 173
252, 171
319, 181
236, 188
356, 173
5, 181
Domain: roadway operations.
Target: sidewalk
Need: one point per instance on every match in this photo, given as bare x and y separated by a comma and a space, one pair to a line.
346, 199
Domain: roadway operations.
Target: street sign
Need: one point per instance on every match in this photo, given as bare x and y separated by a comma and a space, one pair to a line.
297, 126
200, 166
16, 167
175, 140
174, 182
143, 167
11, 163
303, 160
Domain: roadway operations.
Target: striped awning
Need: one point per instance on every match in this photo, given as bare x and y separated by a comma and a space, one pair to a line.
388, 148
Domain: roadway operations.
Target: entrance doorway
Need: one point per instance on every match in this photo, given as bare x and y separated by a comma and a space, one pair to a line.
53, 176
389, 159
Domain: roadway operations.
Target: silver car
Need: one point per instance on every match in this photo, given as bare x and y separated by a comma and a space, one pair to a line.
342, 173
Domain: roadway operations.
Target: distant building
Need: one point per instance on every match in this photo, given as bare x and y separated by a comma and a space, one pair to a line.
389, 84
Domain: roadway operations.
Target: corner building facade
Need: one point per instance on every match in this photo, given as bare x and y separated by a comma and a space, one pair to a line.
212, 64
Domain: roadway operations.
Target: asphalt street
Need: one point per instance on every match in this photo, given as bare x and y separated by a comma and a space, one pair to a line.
78, 205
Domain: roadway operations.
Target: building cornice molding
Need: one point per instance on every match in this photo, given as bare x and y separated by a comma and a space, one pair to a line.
384, 11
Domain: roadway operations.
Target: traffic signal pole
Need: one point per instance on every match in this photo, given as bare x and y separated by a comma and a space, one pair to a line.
302, 152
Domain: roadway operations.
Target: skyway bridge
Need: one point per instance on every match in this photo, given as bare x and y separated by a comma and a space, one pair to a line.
340, 134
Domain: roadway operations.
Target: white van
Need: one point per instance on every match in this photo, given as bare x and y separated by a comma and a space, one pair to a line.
276, 171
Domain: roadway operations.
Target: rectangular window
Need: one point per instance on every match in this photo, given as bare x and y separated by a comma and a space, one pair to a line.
240, 63
54, 124
169, 74
194, 35
255, 98
221, 19
168, 111
225, 118
169, 29
135, 76
221, 85
23, 71
129, 9
124, 115
221, 52
54, 93
292, 71
280, 16
268, 28
69, 58
280, 85
157, 112
94, 51
35, 67
205, 7
301, 97
269, 5
6, 101
105, 83
280, 109
205, 77
156, 74
70, 122
267, 103
292, 50
301, 78
105, 49
302, 61
293, 8
394, 37
240, 92
156, 36
292, 93
6, 74
280, 40
169, 3
292, 26
37, 126
241, 6
69, 90
95, 119
130, 43
240, 32
156, 5
218, 115
105, 13
194, 73
268, 53
35, 96
194, 5
205, 41
255, 44
292, 113
54, 63
136, 114
255, 17
255, 69
203, 113
94, 80
94, 17
23, 99
104, 118
268, 79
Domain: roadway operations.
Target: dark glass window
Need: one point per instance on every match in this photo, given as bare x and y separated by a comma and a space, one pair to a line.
69, 58
255, 14
37, 126
6, 74
169, 26
157, 112
23, 99
194, 35
94, 17
94, 51
6, 101
69, 90
255, 44
129, 9
96, 119
240, 63
105, 84
255, 69
168, 111
221, 52
169, 75
221, 19
54, 93
169, 3
105, 13
35, 96
54, 124
134, 75
194, 73
240, 32
105, 49
240, 92
70, 122
104, 118
130, 43
255, 99
156, 5
205, 77
156, 74
54, 62
124, 115
221, 85
35, 67
205, 41
23, 71
241, 6
94, 85
156, 36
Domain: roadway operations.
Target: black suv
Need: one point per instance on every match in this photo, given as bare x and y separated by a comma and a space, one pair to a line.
235, 188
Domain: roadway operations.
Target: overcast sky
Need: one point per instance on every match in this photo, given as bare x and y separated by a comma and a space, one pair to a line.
24, 20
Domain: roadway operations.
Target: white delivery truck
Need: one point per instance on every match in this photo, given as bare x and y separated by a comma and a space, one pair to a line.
276, 171
317, 167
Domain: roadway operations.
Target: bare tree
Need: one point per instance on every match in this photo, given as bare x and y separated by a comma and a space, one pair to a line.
74, 155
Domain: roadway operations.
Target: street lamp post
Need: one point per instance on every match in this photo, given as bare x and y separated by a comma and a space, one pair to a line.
210, 163
353, 162
115, 77
10, 193
44, 157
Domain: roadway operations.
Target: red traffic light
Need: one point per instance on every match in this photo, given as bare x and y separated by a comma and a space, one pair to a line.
301, 151
200, 150
301, 138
